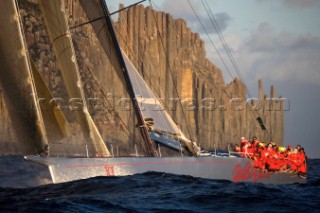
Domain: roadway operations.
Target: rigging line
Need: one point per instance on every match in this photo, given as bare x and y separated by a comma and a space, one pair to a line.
125, 8
251, 114
103, 94
212, 43
224, 90
216, 49
164, 104
232, 60
35, 172
170, 71
172, 77
99, 18
223, 41
87, 22
60, 36
217, 28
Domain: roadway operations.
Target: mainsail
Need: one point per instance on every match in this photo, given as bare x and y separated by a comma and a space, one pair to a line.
18, 84
57, 25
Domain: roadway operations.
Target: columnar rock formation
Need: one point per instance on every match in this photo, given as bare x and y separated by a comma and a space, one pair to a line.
173, 62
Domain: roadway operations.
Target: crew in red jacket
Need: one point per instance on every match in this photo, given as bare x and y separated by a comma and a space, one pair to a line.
253, 146
245, 145
258, 159
255, 141
266, 155
292, 159
236, 148
288, 151
274, 158
301, 160
282, 159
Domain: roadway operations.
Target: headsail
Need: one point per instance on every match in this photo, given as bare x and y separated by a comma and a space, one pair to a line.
154, 112
149, 104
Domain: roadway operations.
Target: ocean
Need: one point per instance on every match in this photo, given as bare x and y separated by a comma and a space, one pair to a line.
154, 192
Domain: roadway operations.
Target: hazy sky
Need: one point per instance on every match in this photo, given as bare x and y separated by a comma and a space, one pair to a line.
274, 40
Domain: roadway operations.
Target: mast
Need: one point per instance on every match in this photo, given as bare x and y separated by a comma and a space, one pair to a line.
143, 130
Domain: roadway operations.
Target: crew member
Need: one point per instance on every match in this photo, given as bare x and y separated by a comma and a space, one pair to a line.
301, 160
254, 142
245, 145
236, 148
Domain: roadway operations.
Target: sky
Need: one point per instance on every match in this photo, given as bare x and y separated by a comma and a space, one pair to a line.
277, 41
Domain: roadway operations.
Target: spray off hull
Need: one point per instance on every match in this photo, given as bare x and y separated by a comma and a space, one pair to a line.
218, 168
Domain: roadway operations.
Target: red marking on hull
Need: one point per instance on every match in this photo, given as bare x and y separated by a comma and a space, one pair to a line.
146, 163
248, 173
109, 170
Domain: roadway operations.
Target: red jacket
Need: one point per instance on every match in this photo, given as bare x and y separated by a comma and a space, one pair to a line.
301, 162
245, 146
292, 159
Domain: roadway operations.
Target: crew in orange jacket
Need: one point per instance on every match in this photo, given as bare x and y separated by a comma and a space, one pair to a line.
274, 159
254, 144
245, 145
292, 159
301, 160
265, 156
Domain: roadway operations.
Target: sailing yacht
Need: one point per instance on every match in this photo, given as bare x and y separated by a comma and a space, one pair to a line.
73, 145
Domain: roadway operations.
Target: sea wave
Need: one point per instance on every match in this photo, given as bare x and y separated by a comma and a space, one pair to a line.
161, 192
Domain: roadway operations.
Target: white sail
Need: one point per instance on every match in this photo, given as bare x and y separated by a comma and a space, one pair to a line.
149, 104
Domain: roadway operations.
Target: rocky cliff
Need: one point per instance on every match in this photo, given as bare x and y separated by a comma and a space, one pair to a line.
172, 60
174, 63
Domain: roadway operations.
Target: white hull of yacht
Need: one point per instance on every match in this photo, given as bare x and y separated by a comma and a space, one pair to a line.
213, 167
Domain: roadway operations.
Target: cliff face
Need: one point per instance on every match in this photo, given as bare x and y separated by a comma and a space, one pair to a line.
173, 62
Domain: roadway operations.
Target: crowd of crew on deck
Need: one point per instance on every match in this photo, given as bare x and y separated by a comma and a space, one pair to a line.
270, 157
